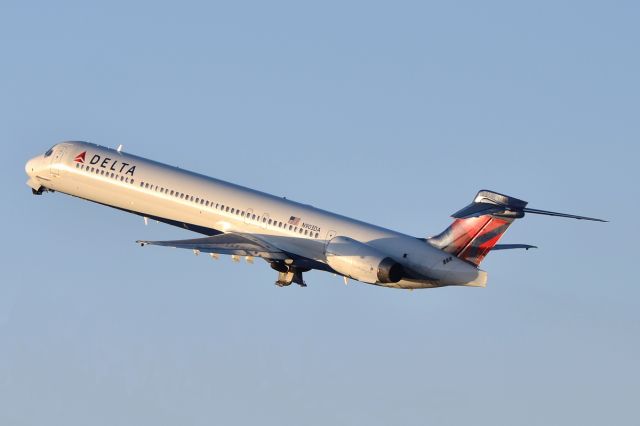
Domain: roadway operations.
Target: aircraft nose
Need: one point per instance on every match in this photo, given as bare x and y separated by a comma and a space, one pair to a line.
32, 166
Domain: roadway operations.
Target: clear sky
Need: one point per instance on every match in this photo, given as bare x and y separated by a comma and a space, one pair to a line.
395, 113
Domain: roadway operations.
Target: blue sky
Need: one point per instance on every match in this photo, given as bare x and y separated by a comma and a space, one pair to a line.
395, 113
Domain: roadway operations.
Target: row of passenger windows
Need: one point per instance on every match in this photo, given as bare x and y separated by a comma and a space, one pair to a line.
201, 201
221, 207
103, 172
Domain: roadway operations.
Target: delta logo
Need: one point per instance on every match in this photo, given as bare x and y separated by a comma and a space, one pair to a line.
80, 157
107, 163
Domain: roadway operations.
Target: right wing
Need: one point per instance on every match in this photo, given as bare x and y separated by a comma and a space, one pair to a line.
231, 243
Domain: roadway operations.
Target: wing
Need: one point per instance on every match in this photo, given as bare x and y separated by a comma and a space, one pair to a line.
231, 243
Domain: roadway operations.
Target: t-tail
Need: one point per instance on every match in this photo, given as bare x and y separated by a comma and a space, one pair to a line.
478, 227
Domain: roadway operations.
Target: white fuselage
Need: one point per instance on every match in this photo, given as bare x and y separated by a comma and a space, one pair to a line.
210, 206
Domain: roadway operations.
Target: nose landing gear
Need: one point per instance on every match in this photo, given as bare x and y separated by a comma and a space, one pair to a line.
40, 190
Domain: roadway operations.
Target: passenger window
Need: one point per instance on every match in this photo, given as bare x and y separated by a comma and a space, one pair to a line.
121, 178
253, 217
317, 235
301, 230
207, 203
233, 210
127, 179
290, 227
197, 200
242, 213
142, 184
269, 221
306, 232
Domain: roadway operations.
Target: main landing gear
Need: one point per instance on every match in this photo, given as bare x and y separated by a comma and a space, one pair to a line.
288, 273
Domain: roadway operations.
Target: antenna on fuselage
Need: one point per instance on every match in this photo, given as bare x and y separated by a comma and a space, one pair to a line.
119, 149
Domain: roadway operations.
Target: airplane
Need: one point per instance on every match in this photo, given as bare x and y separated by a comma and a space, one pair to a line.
292, 237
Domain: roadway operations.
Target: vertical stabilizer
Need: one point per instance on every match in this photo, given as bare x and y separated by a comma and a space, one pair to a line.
479, 226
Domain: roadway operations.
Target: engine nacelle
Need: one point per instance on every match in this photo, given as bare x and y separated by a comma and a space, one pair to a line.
362, 262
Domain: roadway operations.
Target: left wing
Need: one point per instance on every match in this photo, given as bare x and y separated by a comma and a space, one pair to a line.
231, 243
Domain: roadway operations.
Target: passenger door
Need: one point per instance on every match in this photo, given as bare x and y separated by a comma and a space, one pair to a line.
56, 160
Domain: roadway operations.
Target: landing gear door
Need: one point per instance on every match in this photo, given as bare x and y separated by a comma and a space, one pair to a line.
56, 160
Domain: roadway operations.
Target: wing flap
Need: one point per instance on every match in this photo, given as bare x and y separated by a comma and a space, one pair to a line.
231, 243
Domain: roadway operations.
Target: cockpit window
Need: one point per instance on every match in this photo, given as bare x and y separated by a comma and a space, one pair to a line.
49, 152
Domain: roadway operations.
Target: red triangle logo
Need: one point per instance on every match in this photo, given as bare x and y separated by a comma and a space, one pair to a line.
80, 157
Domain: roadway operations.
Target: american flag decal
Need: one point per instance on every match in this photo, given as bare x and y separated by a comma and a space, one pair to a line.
294, 221
80, 157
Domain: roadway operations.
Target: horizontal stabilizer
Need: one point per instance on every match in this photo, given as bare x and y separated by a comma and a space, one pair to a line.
500, 205
571, 216
512, 246
489, 202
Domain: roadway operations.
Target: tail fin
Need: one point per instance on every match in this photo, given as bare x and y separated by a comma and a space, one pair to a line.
478, 227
